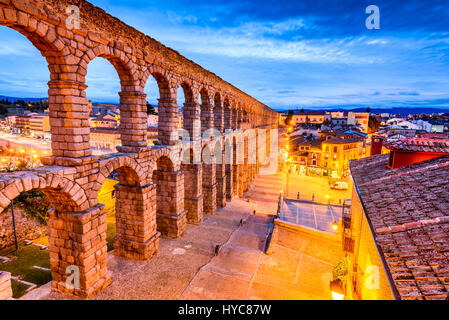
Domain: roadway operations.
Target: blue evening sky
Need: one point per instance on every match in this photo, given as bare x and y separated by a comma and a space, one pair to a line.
285, 53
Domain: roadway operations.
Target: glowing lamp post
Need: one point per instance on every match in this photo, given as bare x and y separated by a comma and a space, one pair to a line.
334, 226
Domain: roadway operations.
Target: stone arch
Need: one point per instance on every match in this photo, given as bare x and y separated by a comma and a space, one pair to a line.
218, 112
226, 101
129, 171
125, 67
190, 111
29, 20
166, 84
205, 97
188, 91
207, 151
65, 195
168, 119
217, 98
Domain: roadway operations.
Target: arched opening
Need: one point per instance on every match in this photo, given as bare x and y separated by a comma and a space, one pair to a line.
188, 112
167, 108
130, 213
111, 199
152, 100
171, 216
25, 219
24, 105
207, 113
48, 204
227, 115
218, 113
102, 92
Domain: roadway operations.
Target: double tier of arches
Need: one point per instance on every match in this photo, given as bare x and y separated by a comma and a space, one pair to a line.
157, 193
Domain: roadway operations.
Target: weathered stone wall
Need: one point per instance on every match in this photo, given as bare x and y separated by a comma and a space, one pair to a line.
27, 228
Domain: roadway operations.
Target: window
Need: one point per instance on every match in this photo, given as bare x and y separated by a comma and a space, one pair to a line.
335, 149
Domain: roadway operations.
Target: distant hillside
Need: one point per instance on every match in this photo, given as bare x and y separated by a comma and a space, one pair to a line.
14, 99
378, 110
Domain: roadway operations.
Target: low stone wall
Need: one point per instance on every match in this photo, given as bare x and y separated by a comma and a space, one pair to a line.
27, 228
5, 285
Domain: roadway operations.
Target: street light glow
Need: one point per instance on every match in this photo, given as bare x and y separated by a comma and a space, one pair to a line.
334, 226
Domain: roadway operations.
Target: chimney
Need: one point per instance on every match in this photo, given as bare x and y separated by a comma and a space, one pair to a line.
376, 145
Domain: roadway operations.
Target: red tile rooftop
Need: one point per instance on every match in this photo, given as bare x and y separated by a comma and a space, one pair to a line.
408, 208
420, 144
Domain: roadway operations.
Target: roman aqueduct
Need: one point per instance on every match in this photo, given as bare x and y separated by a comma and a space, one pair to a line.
158, 193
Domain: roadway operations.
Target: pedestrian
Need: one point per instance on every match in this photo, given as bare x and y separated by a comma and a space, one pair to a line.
313, 197
297, 196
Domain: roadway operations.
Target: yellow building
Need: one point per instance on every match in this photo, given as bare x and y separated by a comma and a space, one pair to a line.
367, 277
337, 151
309, 117
395, 237
109, 138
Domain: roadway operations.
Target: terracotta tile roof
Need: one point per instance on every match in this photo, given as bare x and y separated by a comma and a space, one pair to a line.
408, 208
301, 141
344, 139
420, 144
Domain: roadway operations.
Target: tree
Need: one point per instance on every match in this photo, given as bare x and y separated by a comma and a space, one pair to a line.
150, 109
368, 109
289, 118
373, 124
3, 110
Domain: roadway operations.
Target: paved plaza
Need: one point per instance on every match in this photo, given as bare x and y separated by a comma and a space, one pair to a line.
300, 266
316, 188
311, 215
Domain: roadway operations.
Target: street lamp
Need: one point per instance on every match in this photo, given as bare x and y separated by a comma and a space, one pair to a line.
334, 226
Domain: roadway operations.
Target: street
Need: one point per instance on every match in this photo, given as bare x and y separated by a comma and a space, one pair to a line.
314, 188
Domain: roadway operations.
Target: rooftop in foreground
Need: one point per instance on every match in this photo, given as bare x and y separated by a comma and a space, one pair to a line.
408, 209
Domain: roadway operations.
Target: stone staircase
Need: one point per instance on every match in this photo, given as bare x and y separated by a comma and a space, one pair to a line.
265, 192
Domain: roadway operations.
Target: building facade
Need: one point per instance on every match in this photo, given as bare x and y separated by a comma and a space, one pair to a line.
39, 125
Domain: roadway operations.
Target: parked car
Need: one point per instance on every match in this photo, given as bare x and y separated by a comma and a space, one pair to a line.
339, 185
